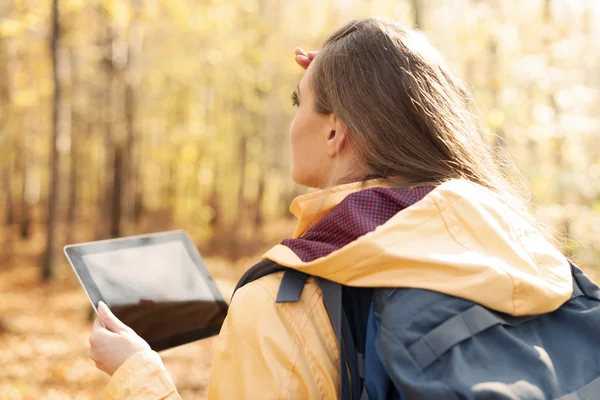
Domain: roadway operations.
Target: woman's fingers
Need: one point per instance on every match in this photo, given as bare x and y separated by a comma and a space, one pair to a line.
303, 58
303, 61
96, 329
300, 52
97, 324
111, 322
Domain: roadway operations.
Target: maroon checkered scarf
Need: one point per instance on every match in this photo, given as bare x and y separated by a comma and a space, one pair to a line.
358, 214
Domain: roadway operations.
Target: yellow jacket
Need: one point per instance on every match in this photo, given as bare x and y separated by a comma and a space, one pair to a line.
459, 240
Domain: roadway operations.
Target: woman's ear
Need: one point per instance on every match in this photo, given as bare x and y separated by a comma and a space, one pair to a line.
337, 136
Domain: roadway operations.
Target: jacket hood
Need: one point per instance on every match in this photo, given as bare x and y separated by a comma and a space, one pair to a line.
460, 239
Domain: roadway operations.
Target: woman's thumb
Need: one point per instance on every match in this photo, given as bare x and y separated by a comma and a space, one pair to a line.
109, 319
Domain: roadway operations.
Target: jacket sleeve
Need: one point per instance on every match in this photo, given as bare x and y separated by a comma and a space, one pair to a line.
262, 352
142, 376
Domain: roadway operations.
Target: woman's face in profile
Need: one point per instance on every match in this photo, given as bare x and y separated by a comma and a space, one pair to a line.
309, 131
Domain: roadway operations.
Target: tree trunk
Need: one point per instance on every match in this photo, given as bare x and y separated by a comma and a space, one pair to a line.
417, 6
115, 225
129, 180
258, 209
76, 123
9, 217
102, 173
138, 201
241, 201
47, 270
214, 201
132, 80
172, 179
5, 135
25, 220
21, 124
106, 188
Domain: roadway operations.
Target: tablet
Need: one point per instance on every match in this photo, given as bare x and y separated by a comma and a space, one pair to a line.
156, 284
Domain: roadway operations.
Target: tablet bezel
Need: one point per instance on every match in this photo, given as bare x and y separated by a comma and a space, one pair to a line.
75, 253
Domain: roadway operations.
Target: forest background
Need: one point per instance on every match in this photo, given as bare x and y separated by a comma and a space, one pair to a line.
120, 117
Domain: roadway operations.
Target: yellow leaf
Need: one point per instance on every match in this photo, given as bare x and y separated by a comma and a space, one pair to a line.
596, 207
188, 154
32, 20
25, 98
205, 176
119, 11
496, 83
213, 56
75, 5
11, 27
45, 87
264, 84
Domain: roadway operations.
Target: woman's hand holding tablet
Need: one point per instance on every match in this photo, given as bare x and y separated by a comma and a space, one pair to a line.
112, 344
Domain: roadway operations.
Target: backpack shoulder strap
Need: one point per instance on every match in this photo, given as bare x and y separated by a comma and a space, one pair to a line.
583, 285
349, 320
291, 286
263, 268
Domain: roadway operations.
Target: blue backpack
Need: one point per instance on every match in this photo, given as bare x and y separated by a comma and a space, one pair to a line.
404, 343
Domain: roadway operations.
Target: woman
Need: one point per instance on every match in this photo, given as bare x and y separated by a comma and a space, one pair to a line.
384, 128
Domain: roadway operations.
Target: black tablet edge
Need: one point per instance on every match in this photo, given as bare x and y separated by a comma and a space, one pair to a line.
195, 256
82, 273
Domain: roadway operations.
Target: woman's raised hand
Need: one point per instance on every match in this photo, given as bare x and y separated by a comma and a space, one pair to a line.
114, 342
303, 58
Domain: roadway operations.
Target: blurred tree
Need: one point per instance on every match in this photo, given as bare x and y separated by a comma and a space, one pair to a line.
54, 188
77, 126
131, 160
24, 167
6, 137
417, 7
108, 216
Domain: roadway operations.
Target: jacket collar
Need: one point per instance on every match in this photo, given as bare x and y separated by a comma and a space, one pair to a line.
311, 207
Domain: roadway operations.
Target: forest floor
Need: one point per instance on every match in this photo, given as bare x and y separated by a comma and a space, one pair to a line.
44, 330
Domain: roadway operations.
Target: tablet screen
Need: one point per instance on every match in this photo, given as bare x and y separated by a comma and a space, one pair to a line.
156, 284
161, 272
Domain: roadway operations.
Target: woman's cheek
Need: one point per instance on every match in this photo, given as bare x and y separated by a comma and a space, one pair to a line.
296, 154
